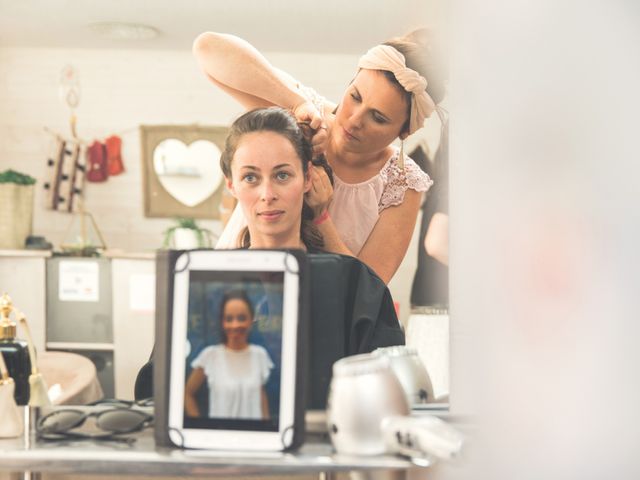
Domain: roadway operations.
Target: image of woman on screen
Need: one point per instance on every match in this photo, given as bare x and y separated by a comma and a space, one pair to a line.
266, 164
236, 371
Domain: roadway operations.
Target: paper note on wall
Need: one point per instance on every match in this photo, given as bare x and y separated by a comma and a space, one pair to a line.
142, 292
79, 281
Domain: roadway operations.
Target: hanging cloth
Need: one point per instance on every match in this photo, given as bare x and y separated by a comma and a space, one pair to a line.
98, 170
114, 155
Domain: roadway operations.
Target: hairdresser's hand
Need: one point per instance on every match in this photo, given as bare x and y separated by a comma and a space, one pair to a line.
308, 114
321, 193
319, 141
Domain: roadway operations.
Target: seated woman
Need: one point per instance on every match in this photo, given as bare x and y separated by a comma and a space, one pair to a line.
236, 371
266, 162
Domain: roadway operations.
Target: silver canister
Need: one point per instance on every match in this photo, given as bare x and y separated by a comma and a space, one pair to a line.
363, 391
411, 373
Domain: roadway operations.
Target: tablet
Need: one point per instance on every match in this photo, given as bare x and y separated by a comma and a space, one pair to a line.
234, 362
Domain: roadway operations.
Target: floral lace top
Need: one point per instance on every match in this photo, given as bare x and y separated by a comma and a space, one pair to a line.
356, 207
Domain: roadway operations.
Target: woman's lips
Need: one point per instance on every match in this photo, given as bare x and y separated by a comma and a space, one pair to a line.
271, 215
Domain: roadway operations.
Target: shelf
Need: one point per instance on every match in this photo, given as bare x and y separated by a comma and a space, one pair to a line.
25, 253
105, 347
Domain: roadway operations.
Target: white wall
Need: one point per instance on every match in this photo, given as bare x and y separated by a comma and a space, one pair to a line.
120, 90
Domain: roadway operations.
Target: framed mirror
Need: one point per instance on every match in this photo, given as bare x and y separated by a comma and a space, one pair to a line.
181, 170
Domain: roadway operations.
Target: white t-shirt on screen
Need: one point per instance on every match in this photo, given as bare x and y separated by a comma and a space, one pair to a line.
235, 380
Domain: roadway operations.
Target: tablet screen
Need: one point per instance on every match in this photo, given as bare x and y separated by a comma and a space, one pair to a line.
233, 349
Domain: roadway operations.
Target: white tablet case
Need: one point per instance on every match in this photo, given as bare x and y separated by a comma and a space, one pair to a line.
165, 283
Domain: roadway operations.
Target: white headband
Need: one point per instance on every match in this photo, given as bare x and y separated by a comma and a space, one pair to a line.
385, 57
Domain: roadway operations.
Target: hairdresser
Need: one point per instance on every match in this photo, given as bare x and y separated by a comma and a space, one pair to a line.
370, 211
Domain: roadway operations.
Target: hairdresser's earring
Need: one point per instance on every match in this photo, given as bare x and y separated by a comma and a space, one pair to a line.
401, 156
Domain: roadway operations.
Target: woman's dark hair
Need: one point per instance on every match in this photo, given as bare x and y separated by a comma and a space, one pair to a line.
226, 298
280, 121
421, 53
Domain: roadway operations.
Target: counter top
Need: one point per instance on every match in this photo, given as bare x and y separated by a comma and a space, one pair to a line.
25, 253
144, 458
120, 254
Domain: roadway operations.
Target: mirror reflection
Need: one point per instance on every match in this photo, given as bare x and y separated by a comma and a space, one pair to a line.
134, 208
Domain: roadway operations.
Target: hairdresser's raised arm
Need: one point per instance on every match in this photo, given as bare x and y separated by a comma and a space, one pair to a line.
243, 72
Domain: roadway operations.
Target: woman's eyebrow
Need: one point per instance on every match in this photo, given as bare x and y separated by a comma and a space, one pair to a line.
252, 167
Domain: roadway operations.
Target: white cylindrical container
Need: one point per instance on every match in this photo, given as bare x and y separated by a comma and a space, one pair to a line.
411, 372
363, 391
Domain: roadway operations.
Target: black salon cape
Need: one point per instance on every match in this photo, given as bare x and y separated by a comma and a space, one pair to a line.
352, 313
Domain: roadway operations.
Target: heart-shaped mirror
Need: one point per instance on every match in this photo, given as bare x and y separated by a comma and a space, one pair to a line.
190, 173
181, 170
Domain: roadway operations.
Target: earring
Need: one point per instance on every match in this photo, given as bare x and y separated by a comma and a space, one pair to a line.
401, 155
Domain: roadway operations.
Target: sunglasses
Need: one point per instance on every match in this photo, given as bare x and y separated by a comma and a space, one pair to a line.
59, 424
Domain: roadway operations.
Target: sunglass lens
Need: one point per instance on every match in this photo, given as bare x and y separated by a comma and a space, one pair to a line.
61, 421
121, 421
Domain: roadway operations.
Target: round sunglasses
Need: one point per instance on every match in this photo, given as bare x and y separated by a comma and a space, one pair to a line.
59, 424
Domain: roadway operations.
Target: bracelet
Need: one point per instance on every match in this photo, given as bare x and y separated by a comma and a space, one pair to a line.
321, 218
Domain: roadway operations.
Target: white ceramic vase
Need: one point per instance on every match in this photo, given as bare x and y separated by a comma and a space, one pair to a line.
185, 239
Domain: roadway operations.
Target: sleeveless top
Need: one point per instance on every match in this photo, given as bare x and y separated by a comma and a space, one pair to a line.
355, 207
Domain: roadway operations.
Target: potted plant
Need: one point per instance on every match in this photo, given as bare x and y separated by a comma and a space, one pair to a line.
187, 235
16, 208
